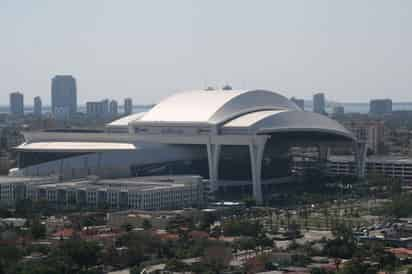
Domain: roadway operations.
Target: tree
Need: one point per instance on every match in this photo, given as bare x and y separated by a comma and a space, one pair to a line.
146, 224
83, 253
217, 257
37, 229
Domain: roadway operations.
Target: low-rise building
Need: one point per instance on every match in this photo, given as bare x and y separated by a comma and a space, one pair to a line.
393, 167
148, 193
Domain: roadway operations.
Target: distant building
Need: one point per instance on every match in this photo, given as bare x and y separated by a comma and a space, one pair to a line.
319, 103
370, 131
37, 109
97, 109
299, 102
16, 104
380, 106
128, 106
113, 108
64, 96
338, 111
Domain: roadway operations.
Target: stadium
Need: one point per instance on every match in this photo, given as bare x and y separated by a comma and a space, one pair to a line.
231, 137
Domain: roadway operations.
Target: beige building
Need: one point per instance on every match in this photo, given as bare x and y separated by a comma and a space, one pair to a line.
370, 131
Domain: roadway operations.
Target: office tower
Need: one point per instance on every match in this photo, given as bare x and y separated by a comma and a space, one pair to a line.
319, 103
128, 106
380, 106
16, 104
299, 102
37, 109
64, 96
97, 109
113, 108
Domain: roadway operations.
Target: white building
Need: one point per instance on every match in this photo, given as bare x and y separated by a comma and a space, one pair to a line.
232, 137
145, 193
392, 167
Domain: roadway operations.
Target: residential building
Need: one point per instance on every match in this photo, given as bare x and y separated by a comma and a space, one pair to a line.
372, 132
113, 108
17, 104
97, 109
128, 106
319, 104
64, 96
37, 106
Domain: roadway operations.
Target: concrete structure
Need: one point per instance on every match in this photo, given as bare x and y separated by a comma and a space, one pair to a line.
319, 104
380, 106
13, 189
299, 102
37, 106
392, 167
98, 109
128, 106
64, 96
151, 193
113, 108
372, 132
17, 104
232, 137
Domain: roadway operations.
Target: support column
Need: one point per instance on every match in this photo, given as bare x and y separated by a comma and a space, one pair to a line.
213, 155
256, 149
323, 152
360, 158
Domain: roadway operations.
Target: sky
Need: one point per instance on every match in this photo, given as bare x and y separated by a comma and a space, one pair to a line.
352, 50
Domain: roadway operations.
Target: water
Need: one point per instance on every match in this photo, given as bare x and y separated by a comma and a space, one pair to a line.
349, 107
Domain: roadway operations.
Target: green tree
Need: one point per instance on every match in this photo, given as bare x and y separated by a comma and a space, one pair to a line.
146, 224
83, 253
37, 229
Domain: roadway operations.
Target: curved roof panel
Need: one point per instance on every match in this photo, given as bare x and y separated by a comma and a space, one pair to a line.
192, 106
214, 106
287, 121
75, 146
124, 121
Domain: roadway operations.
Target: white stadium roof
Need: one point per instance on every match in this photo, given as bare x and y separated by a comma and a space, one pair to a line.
124, 121
235, 112
75, 146
214, 106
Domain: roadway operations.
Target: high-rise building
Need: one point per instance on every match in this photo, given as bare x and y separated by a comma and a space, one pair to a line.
319, 103
64, 96
380, 106
37, 109
113, 108
299, 102
17, 104
97, 109
128, 106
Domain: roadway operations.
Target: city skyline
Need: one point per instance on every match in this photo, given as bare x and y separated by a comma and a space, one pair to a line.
141, 51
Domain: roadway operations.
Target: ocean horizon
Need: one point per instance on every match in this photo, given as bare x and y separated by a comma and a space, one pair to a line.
362, 108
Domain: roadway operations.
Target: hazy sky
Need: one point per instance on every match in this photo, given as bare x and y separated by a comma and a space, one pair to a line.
351, 50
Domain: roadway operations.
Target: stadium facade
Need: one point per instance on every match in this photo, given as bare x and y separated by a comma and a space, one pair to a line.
231, 137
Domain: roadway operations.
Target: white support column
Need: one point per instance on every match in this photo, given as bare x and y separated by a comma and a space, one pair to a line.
360, 158
256, 149
213, 155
